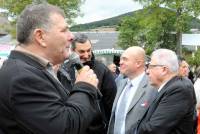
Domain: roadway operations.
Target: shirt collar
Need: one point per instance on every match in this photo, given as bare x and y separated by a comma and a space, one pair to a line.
136, 80
159, 89
44, 62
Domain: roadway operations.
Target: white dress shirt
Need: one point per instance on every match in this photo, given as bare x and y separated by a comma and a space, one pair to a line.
135, 83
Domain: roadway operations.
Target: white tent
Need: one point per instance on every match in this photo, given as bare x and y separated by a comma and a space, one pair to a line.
191, 39
108, 52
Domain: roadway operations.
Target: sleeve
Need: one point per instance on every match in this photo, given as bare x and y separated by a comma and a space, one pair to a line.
39, 107
172, 108
109, 90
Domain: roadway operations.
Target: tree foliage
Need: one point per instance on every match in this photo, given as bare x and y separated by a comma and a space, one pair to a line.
154, 27
70, 7
194, 59
150, 28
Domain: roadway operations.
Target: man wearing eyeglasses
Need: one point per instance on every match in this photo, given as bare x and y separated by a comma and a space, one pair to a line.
173, 109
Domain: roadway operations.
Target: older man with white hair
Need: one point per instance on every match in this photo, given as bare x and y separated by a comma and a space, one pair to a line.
172, 112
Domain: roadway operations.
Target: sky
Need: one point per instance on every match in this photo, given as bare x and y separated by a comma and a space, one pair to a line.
94, 10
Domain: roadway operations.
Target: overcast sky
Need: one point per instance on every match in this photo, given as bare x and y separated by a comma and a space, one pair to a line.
95, 10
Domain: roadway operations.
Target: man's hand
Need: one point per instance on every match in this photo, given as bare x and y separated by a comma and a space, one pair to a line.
87, 75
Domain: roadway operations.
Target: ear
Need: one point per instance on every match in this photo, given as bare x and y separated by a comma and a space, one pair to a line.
139, 63
164, 71
39, 37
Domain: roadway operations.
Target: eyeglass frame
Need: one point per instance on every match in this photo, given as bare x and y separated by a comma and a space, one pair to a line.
149, 65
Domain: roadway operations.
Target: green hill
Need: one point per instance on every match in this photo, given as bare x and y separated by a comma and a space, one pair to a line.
115, 21
110, 22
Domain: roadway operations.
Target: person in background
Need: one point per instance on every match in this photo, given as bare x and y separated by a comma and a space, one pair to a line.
131, 104
113, 68
197, 88
173, 110
32, 100
197, 93
107, 86
184, 69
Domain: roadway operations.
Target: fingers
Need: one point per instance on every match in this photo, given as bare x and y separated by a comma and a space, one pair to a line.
86, 68
87, 75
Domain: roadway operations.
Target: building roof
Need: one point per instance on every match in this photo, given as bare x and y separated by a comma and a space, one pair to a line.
102, 40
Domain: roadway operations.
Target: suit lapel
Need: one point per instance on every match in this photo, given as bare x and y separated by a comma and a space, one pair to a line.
156, 101
57, 83
139, 92
120, 86
165, 88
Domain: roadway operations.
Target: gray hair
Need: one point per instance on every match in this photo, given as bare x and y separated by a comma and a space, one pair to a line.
79, 38
168, 58
35, 16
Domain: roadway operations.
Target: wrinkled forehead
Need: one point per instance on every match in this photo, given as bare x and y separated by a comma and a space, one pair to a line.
153, 60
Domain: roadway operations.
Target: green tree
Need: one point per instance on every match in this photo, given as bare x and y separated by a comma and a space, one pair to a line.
14, 7
149, 28
128, 28
70, 7
194, 60
183, 9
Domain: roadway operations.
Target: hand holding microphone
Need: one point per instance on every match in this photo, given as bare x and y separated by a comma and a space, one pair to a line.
75, 60
85, 74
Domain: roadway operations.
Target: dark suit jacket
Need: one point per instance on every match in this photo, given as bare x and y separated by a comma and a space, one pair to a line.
33, 101
106, 85
172, 112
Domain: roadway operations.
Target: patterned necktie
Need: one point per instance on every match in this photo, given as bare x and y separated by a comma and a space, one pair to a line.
120, 115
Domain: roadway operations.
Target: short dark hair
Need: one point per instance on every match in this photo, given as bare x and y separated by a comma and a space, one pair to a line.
180, 59
35, 16
79, 38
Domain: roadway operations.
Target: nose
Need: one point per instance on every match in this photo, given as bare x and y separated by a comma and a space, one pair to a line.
70, 36
120, 62
86, 55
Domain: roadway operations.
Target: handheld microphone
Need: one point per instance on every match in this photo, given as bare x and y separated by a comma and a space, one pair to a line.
75, 59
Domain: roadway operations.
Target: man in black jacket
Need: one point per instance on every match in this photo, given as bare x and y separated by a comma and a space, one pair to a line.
107, 86
173, 110
32, 100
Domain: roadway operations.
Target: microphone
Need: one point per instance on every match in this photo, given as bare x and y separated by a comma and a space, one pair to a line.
75, 59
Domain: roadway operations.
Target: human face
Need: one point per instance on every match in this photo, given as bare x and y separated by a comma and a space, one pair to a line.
57, 39
184, 69
128, 64
112, 67
84, 50
155, 72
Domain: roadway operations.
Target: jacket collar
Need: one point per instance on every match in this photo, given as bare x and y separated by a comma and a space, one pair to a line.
23, 57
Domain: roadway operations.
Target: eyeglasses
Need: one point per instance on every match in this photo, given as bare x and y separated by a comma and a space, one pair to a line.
153, 65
